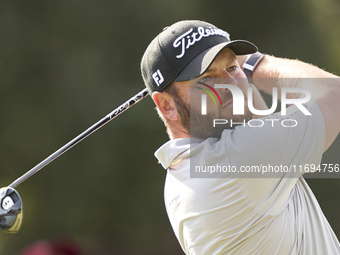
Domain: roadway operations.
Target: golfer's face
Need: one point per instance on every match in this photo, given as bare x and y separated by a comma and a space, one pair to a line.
219, 102
224, 70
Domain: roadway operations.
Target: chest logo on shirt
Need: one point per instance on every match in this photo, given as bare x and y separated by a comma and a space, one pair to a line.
173, 201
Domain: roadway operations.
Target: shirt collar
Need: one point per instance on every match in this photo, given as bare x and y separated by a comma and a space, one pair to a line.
171, 149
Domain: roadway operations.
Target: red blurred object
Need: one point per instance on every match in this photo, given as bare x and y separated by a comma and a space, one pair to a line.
54, 247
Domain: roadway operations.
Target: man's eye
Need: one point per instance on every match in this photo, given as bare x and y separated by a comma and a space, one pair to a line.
205, 79
233, 68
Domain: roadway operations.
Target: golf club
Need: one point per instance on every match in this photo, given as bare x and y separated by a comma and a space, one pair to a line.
11, 211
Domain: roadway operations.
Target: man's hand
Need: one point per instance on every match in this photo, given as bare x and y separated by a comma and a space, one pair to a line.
259, 103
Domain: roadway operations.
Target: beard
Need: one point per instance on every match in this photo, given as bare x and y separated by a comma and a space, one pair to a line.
201, 126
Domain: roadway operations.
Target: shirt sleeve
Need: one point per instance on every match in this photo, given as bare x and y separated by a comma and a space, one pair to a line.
271, 155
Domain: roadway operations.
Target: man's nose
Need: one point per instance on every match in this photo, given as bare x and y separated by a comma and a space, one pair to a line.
227, 78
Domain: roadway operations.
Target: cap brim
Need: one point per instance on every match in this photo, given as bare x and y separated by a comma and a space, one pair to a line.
202, 62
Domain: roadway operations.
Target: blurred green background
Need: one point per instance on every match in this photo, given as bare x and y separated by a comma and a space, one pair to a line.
66, 64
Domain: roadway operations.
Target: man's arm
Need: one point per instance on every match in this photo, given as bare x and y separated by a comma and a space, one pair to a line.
325, 90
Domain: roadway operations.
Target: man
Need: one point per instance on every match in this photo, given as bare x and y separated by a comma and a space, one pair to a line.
236, 212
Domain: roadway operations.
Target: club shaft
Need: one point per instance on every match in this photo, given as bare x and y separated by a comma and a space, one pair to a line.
135, 99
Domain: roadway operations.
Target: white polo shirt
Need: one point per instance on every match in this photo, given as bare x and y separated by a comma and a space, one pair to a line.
234, 214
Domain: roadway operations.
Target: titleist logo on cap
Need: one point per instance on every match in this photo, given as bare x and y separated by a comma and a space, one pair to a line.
186, 40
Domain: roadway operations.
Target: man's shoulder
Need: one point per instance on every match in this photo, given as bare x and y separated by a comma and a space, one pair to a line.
172, 148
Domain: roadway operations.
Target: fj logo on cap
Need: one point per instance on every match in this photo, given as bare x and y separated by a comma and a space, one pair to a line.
158, 77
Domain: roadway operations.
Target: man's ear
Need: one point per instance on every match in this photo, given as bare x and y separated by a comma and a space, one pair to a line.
166, 105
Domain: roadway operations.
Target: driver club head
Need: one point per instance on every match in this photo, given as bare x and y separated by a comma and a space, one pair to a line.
11, 211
